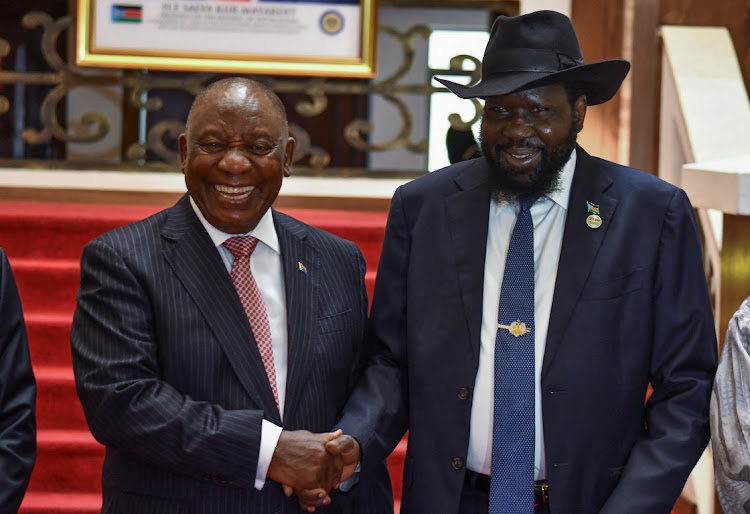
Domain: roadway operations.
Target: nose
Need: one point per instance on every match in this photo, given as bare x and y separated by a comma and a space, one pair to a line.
517, 127
234, 160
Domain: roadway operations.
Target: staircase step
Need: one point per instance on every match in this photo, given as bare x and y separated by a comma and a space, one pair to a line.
65, 228
68, 461
60, 230
57, 404
47, 286
61, 503
49, 339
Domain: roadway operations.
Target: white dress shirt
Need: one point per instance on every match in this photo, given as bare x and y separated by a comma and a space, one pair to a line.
548, 214
268, 271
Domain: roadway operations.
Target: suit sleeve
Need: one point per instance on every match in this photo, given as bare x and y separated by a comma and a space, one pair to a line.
683, 364
115, 346
17, 396
376, 413
365, 349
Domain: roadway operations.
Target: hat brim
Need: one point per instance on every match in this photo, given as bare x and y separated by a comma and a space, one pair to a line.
600, 81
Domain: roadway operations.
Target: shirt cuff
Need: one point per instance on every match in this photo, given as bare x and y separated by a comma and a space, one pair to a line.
346, 485
269, 438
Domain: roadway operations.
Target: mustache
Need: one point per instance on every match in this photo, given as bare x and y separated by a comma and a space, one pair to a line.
524, 143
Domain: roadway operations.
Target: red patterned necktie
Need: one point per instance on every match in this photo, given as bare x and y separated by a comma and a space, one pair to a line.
242, 248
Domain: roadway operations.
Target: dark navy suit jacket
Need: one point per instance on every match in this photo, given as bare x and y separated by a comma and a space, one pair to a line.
630, 307
170, 377
17, 396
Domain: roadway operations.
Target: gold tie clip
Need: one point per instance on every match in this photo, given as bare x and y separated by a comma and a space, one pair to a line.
517, 328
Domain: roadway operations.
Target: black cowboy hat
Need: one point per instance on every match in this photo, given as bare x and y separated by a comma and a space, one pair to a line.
539, 49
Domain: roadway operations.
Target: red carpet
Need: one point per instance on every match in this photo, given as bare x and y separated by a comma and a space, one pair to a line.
44, 242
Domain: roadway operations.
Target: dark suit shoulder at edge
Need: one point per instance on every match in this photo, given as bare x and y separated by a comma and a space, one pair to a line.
446, 175
464, 175
632, 177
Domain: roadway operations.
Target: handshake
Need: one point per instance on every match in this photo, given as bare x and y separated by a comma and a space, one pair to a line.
310, 465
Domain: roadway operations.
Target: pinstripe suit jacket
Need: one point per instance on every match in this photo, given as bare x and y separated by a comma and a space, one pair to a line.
170, 377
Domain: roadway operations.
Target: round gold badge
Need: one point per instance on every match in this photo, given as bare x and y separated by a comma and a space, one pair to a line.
331, 22
594, 221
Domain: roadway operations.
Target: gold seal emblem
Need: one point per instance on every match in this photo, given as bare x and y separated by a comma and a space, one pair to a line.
517, 328
594, 221
331, 22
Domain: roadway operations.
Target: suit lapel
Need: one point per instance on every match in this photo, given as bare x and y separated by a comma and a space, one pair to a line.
467, 211
191, 254
301, 305
580, 246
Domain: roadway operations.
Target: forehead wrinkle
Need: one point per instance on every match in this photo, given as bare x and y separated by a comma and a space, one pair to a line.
247, 103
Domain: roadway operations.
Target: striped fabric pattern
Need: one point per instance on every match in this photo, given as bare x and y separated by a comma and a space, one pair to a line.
171, 386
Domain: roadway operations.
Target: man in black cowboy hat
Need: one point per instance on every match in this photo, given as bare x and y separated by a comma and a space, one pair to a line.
526, 300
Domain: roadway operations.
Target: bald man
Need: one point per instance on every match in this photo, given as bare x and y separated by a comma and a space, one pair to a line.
216, 342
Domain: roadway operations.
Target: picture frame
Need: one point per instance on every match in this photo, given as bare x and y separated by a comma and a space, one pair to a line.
331, 38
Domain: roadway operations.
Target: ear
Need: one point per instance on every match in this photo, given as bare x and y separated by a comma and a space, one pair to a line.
182, 142
579, 112
289, 156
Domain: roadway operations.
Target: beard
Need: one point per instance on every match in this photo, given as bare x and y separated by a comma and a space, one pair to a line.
545, 177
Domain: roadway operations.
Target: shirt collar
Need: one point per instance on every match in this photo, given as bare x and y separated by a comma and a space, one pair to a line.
265, 230
561, 195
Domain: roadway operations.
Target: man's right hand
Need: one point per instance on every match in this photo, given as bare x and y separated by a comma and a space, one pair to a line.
344, 447
301, 460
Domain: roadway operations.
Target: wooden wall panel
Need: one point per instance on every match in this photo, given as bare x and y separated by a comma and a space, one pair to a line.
601, 24
598, 24
645, 79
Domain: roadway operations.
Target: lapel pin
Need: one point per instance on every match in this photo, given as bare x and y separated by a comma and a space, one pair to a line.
593, 220
302, 267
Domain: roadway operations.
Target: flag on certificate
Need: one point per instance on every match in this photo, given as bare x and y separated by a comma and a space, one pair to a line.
127, 13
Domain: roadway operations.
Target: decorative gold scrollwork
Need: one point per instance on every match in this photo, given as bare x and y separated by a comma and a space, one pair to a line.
318, 158
139, 87
137, 152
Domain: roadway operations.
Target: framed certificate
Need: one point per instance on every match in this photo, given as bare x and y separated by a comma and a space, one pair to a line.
334, 38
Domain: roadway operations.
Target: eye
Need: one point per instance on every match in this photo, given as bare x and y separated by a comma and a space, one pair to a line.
544, 111
496, 109
211, 146
261, 148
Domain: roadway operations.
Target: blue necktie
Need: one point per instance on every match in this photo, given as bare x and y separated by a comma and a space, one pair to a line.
512, 484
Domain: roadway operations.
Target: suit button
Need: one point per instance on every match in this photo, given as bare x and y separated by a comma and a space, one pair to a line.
463, 393
457, 463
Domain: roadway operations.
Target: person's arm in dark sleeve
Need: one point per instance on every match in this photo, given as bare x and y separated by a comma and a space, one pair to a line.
683, 364
377, 412
17, 396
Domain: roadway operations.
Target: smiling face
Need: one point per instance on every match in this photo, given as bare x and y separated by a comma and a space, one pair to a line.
527, 138
234, 154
